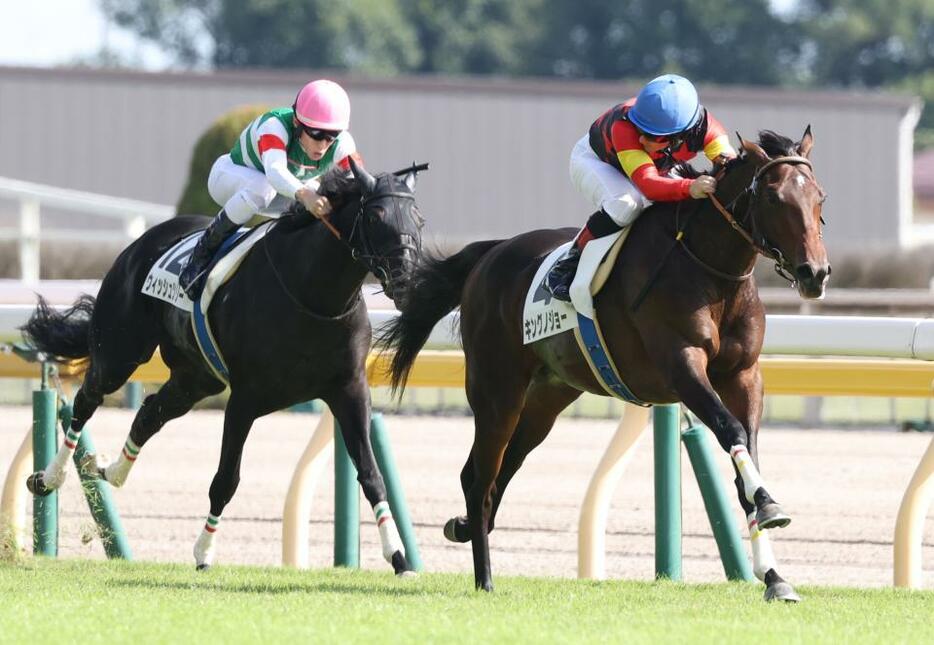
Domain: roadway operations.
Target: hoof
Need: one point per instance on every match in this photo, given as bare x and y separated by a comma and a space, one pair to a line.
202, 567
407, 574
781, 591
89, 468
400, 565
36, 485
456, 530
771, 516
485, 586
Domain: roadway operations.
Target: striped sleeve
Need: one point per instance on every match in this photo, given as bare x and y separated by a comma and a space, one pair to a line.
639, 167
660, 188
276, 167
270, 135
717, 141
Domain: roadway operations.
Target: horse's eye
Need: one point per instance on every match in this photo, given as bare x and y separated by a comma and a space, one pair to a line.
772, 196
379, 211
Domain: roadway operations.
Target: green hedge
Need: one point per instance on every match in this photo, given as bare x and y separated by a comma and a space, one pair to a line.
216, 141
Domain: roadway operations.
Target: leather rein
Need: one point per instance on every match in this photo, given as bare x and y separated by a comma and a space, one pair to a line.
761, 245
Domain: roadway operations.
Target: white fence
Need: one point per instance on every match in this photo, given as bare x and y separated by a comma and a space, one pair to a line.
135, 216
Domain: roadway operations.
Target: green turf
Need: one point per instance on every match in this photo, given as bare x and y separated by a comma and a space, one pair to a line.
114, 602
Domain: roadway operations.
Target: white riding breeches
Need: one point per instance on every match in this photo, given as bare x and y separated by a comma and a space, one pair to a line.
244, 192
604, 186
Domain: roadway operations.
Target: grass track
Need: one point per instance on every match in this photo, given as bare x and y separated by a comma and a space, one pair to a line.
118, 602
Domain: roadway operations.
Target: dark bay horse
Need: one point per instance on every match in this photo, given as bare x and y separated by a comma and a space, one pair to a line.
291, 324
681, 315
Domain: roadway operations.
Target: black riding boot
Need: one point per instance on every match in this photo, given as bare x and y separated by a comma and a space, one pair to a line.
559, 279
192, 276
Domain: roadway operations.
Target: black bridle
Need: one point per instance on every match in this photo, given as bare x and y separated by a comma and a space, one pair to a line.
373, 261
748, 226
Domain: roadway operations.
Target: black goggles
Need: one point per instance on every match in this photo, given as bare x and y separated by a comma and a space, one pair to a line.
321, 135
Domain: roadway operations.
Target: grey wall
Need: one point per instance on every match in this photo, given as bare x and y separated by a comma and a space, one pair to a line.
498, 148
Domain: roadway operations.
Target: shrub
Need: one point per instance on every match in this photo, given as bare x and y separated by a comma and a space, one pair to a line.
216, 141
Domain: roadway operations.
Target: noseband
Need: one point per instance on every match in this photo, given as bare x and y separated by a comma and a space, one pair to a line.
754, 236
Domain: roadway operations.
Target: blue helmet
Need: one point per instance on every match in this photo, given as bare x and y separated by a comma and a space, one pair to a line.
666, 105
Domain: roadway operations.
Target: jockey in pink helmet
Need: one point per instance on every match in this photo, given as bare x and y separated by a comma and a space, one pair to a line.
276, 161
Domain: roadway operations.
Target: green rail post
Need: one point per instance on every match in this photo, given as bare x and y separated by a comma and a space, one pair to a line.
346, 506
735, 563
133, 395
98, 495
666, 428
44, 447
382, 449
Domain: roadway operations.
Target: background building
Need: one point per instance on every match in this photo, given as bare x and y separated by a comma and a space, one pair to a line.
498, 148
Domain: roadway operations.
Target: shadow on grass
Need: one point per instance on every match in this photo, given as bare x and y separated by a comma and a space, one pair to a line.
288, 588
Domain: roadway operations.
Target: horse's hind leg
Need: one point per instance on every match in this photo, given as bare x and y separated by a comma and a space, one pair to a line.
238, 419
739, 395
112, 362
543, 403
496, 397
175, 398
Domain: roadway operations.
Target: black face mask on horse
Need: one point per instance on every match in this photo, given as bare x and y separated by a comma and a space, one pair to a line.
680, 314
291, 325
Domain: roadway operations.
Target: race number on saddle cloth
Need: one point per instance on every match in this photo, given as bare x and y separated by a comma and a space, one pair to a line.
544, 316
162, 283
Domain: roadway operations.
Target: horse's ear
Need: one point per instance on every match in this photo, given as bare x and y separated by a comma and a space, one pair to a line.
409, 179
754, 149
366, 180
806, 143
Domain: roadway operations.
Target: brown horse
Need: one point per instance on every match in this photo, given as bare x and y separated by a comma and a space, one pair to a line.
680, 313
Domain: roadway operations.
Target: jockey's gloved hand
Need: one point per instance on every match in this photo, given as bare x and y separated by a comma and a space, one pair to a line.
703, 186
316, 204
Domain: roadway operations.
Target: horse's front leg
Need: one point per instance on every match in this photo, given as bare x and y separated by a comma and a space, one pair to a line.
351, 409
741, 393
687, 368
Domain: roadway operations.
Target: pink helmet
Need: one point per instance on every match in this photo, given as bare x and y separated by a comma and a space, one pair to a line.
323, 104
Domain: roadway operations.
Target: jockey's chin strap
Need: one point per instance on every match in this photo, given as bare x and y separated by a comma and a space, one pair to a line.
762, 244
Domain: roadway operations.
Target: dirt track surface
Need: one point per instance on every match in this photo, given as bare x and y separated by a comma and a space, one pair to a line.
841, 487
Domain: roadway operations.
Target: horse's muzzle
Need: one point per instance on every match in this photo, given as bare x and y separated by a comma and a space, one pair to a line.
811, 280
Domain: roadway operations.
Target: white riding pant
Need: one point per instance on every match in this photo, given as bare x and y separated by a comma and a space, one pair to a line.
604, 186
244, 192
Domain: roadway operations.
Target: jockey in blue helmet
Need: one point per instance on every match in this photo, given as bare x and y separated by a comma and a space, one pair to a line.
623, 163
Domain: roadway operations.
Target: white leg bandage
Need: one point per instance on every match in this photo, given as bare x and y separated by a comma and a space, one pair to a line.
388, 533
116, 473
752, 480
54, 475
204, 546
762, 557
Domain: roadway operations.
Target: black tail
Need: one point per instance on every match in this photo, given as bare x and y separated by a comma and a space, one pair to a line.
434, 291
62, 335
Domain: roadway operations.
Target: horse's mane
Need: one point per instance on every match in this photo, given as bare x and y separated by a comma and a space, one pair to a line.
336, 184
776, 145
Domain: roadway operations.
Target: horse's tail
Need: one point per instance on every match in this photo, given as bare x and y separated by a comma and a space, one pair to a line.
62, 335
434, 290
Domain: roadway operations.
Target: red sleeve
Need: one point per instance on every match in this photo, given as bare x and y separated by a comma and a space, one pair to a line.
270, 142
659, 188
345, 162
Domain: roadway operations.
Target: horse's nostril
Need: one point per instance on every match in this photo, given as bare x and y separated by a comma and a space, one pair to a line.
804, 273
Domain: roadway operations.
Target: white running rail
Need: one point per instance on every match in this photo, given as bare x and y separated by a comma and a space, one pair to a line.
135, 215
